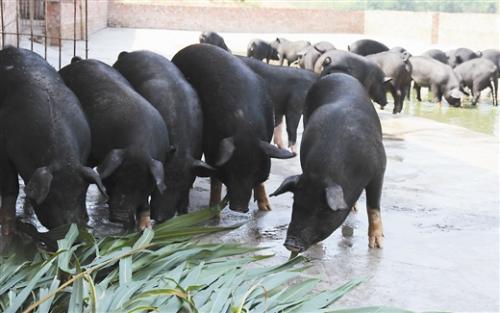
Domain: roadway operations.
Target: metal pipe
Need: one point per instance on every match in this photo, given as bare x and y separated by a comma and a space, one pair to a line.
60, 52
32, 13
3, 26
18, 39
74, 27
46, 29
86, 29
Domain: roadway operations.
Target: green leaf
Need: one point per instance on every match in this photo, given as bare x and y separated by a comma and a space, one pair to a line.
18, 301
45, 307
77, 293
125, 268
66, 247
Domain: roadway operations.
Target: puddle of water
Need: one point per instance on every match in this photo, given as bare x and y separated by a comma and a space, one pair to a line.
483, 118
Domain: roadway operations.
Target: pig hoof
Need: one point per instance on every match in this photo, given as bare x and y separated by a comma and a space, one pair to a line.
376, 241
264, 205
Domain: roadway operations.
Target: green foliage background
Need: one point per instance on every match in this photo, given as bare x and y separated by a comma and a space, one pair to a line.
452, 6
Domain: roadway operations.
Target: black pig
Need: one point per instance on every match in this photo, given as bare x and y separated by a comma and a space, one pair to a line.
44, 138
129, 138
341, 155
238, 123
164, 86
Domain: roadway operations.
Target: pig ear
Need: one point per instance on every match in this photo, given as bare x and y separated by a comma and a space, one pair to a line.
288, 185
335, 198
93, 178
122, 54
202, 169
274, 152
156, 169
111, 162
387, 79
39, 185
76, 59
226, 151
327, 61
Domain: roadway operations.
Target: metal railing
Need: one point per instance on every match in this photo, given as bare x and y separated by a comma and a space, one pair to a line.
32, 22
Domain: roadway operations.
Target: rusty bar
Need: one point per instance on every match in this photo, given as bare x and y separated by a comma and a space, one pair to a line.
86, 29
46, 29
3, 26
74, 27
18, 39
32, 13
60, 52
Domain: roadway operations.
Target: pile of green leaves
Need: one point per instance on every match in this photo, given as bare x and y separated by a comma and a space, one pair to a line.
160, 270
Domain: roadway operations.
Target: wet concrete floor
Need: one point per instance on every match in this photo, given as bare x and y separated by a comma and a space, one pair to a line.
441, 221
440, 209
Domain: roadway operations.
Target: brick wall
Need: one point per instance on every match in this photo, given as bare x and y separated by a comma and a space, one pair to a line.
246, 19
9, 16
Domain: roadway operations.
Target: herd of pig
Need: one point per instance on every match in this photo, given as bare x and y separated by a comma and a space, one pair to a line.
381, 69
138, 129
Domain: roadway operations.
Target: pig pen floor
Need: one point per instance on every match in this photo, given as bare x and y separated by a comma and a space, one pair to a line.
440, 205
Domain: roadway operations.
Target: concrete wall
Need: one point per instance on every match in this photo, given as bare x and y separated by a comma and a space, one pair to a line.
475, 31
9, 16
232, 19
398, 24
447, 30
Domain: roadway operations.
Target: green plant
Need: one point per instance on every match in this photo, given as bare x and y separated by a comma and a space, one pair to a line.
160, 270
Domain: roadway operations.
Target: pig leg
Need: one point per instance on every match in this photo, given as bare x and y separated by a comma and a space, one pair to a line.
183, 202
292, 123
281, 59
395, 96
417, 90
375, 227
215, 192
143, 218
436, 93
9, 189
278, 131
476, 93
403, 92
495, 91
260, 196
408, 91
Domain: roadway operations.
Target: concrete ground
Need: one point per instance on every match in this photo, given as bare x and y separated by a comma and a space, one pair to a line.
440, 203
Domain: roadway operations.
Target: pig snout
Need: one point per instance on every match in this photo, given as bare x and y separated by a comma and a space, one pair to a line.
293, 244
238, 207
